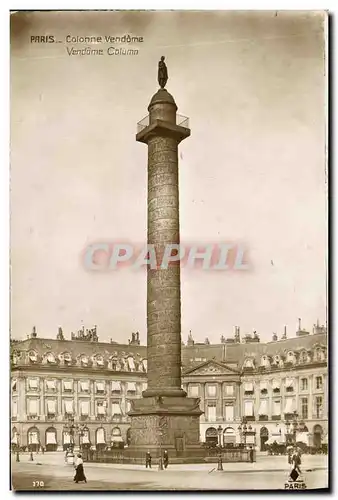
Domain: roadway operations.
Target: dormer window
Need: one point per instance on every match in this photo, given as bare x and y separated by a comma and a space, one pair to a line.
50, 358
248, 364
131, 364
277, 361
290, 358
303, 357
84, 360
99, 360
319, 354
33, 356
265, 361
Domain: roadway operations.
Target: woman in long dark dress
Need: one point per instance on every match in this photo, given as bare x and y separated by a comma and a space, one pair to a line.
79, 474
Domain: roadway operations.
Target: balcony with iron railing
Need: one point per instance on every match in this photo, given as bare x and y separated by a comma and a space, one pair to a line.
181, 121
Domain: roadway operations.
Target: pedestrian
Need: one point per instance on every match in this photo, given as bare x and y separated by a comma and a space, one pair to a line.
296, 461
148, 460
79, 474
165, 459
251, 453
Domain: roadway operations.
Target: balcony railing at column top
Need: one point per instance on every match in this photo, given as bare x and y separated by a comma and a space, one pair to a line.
181, 121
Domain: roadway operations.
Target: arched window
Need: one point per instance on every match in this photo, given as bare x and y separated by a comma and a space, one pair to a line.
290, 358
100, 437
319, 354
211, 435
248, 363
116, 437
33, 356
265, 361
33, 438
303, 358
51, 439
229, 436
99, 360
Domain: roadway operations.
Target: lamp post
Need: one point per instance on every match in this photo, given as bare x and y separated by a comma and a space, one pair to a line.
17, 447
242, 429
219, 432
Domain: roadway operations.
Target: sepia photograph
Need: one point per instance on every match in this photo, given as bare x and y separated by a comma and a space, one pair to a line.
169, 250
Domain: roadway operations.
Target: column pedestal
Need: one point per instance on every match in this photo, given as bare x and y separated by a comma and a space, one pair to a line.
170, 423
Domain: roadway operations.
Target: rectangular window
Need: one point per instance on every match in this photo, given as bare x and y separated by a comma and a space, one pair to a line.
319, 383
211, 391
116, 409
99, 387
84, 386
248, 408
193, 391
211, 412
67, 385
303, 384
116, 386
248, 388
131, 387
14, 408
33, 384
229, 413
33, 407
276, 407
84, 408
69, 408
229, 390
304, 407
101, 410
319, 407
51, 407
263, 407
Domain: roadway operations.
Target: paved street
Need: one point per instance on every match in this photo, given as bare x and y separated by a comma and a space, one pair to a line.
49, 472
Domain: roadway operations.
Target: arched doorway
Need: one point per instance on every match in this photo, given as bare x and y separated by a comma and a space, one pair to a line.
33, 439
50, 439
128, 436
211, 436
116, 438
85, 438
100, 438
264, 436
317, 436
229, 436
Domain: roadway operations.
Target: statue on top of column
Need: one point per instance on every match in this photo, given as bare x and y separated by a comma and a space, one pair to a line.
162, 73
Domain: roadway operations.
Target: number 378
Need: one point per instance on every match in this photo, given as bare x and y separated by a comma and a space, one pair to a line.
38, 484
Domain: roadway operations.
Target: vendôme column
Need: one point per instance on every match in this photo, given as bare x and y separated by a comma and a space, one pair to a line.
164, 416
162, 135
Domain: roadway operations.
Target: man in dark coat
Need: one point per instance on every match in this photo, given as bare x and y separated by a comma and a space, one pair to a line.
165, 459
148, 460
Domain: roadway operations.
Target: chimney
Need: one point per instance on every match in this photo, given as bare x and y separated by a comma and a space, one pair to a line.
274, 337
34, 334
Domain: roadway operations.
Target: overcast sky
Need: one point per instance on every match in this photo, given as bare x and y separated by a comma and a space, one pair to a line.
253, 170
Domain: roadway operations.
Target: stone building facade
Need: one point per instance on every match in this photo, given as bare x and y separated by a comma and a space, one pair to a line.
93, 382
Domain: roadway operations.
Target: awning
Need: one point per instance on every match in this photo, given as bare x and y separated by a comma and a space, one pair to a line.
116, 386
66, 438
131, 387
116, 410
33, 438
69, 407
101, 410
289, 382
248, 408
277, 437
144, 362
51, 407
50, 438
68, 385
289, 405
248, 387
84, 385
33, 383
50, 384
33, 406
100, 437
84, 407
131, 364
85, 438
100, 386
275, 384
263, 386
263, 407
